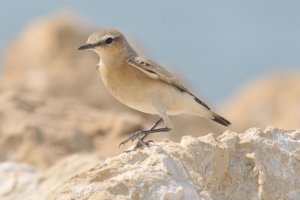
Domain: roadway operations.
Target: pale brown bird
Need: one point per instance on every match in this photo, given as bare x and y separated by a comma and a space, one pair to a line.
142, 84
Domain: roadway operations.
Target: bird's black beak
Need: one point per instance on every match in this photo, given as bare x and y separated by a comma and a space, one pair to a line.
86, 46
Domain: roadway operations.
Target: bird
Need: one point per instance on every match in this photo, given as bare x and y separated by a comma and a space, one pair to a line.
144, 85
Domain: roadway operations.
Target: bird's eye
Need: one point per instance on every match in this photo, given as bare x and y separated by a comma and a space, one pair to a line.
109, 40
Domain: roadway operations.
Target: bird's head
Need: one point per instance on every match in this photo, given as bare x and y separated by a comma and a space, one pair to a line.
107, 43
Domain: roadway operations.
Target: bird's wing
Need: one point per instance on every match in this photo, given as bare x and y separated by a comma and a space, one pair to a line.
155, 71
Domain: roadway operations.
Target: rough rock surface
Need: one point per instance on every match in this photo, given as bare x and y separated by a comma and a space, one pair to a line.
62, 171
41, 131
253, 165
21, 181
273, 100
17, 181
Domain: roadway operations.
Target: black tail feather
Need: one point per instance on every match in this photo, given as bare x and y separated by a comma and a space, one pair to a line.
221, 120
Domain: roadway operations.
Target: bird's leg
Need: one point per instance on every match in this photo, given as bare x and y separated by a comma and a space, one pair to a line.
141, 142
146, 133
132, 137
156, 124
141, 135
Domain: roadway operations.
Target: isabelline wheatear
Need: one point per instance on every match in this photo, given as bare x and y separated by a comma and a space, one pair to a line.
142, 84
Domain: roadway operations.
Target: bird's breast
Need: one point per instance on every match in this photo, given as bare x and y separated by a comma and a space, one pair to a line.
129, 86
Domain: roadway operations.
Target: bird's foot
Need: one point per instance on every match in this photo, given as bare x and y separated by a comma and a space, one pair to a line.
141, 136
132, 137
141, 144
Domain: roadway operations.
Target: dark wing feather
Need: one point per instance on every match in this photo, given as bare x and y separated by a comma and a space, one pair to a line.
155, 71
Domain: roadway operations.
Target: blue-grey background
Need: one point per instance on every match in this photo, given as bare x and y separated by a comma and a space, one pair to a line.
215, 45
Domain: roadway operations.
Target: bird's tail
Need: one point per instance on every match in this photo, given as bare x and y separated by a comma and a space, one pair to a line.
221, 120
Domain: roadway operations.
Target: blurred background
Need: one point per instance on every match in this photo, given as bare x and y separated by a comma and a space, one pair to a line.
215, 45
241, 57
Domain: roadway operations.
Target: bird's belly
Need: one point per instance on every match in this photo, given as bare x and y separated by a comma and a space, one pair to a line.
145, 94
131, 97
152, 100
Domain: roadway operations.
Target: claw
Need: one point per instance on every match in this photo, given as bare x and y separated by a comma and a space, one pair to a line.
122, 143
141, 135
140, 144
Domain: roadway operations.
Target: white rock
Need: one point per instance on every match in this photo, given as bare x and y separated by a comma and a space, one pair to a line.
253, 165
21, 181
17, 180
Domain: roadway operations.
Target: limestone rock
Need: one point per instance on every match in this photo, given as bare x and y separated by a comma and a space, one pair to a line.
41, 131
253, 165
21, 181
62, 171
17, 180
269, 101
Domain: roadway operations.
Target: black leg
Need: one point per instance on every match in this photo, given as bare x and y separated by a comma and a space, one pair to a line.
146, 133
141, 143
141, 135
156, 124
